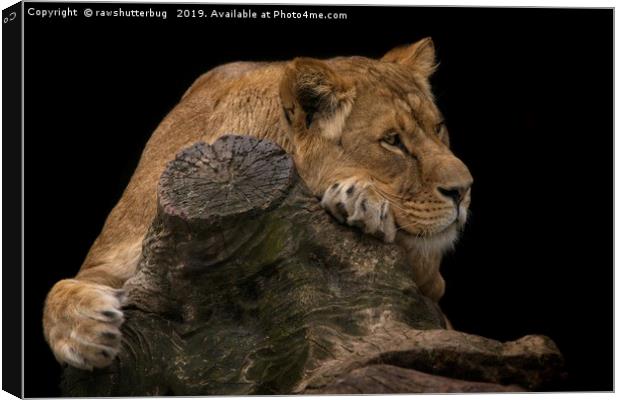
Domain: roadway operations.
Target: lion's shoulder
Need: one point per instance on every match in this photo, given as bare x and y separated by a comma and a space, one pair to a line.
226, 73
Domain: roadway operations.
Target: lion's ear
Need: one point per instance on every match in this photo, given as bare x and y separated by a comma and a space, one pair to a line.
419, 56
314, 97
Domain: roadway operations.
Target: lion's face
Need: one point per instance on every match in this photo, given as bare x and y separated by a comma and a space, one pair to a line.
396, 134
377, 119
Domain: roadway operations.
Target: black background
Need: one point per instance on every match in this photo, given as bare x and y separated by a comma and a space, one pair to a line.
527, 95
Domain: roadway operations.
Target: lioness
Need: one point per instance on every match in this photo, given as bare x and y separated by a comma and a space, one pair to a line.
365, 135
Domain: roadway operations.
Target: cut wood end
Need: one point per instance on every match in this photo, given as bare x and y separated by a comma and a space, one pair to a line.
237, 175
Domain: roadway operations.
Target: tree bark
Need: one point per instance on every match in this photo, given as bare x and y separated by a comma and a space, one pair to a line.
246, 286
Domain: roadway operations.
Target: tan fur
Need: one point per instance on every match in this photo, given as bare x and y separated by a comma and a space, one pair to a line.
333, 117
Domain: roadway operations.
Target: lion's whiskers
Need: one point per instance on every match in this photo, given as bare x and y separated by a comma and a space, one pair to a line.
422, 234
384, 196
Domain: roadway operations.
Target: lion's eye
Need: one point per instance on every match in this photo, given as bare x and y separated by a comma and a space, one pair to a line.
393, 140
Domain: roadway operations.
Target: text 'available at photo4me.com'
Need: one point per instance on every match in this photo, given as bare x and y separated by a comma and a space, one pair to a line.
187, 12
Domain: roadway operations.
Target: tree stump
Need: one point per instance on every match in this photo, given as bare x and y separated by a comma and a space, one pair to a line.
246, 286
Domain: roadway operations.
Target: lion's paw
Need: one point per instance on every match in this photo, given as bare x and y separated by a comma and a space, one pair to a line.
353, 201
81, 322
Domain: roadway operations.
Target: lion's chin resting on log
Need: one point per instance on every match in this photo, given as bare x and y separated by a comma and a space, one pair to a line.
246, 286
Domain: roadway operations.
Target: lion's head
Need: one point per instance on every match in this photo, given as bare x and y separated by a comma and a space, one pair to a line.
374, 125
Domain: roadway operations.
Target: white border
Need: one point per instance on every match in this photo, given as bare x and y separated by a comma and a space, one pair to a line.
480, 3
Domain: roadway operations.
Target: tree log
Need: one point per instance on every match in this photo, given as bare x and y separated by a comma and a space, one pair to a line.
246, 286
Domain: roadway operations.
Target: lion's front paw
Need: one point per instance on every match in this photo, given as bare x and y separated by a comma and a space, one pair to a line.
81, 322
354, 202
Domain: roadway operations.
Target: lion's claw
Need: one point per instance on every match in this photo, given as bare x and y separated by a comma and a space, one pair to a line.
81, 323
353, 201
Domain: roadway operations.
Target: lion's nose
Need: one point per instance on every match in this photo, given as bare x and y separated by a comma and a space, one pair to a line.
456, 193
450, 177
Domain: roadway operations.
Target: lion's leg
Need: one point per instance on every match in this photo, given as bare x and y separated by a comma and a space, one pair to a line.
433, 286
82, 316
